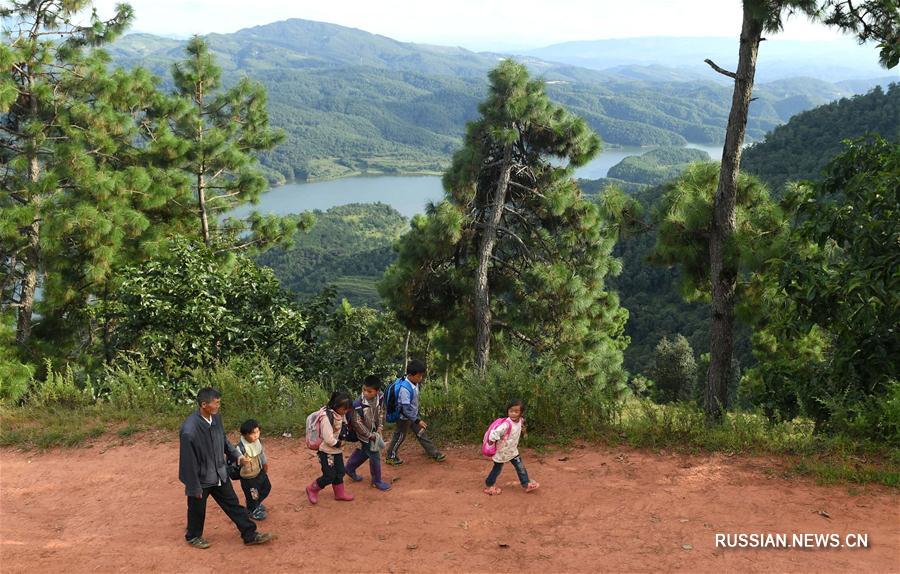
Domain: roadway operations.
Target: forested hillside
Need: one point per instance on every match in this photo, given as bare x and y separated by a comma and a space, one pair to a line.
656, 166
797, 150
348, 247
353, 102
656, 309
800, 149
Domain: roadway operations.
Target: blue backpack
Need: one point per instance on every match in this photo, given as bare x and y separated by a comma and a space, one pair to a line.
392, 399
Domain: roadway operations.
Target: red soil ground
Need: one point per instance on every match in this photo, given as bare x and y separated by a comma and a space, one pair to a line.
121, 509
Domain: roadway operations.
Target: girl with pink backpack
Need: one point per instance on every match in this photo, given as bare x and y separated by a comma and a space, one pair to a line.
501, 443
330, 430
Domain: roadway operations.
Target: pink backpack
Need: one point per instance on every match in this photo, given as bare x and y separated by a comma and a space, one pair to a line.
489, 448
314, 429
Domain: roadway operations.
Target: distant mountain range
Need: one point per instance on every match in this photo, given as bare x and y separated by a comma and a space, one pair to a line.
832, 61
354, 102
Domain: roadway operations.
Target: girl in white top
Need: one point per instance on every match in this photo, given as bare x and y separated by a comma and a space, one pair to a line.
506, 436
331, 453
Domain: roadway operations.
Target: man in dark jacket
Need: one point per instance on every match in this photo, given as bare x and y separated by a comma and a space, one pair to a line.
201, 467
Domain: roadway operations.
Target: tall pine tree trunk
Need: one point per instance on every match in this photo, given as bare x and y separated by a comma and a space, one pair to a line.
201, 188
32, 255
722, 273
483, 316
447, 374
201, 205
405, 353
29, 284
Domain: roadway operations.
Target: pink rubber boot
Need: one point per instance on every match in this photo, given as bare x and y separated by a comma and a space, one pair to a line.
312, 492
339, 493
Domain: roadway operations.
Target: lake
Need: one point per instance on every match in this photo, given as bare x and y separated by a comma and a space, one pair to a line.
407, 194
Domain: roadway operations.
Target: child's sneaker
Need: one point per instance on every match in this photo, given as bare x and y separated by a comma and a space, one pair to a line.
258, 514
393, 461
439, 457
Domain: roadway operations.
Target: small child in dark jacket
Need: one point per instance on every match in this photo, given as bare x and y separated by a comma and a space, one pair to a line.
255, 474
367, 420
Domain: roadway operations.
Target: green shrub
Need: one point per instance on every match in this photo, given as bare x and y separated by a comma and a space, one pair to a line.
465, 408
15, 376
60, 388
132, 384
674, 370
252, 389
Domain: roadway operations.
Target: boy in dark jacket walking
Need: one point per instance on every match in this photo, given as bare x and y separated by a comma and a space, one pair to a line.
367, 421
201, 467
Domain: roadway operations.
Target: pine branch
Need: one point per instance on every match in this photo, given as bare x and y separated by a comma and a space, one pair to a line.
518, 334
722, 71
223, 196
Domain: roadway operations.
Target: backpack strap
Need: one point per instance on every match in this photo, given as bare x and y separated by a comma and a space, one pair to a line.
508, 428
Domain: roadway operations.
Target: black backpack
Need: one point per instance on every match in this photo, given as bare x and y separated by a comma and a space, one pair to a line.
359, 411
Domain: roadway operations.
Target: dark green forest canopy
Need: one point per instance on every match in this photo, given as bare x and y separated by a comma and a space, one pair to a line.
349, 247
801, 148
353, 102
798, 150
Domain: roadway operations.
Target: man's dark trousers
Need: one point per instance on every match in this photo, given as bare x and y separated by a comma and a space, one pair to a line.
226, 498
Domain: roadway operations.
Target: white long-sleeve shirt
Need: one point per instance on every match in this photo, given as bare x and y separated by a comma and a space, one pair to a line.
508, 448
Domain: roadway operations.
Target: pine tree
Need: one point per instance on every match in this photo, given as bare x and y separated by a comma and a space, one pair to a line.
868, 20
221, 130
674, 370
684, 220
78, 194
514, 253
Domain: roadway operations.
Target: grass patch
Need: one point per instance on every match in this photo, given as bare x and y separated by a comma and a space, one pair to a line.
129, 430
44, 428
827, 459
833, 470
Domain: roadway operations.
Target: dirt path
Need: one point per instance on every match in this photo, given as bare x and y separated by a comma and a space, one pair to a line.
121, 509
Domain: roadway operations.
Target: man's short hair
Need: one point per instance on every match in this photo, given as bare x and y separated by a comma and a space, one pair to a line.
415, 367
207, 395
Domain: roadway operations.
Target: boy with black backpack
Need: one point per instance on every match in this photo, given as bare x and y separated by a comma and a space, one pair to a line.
367, 422
403, 408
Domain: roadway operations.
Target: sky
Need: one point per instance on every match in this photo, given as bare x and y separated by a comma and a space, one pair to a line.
472, 24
